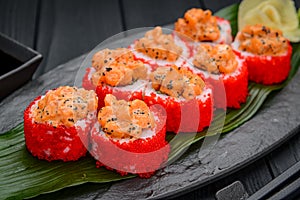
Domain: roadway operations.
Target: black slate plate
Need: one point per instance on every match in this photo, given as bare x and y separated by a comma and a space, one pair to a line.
275, 122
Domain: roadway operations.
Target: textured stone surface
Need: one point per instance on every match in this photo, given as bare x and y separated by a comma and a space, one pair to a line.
275, 122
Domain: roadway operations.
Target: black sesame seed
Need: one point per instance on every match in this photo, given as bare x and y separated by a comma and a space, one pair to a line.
170, 85
108, 69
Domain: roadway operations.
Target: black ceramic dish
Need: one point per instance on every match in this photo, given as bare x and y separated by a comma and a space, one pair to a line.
18, 63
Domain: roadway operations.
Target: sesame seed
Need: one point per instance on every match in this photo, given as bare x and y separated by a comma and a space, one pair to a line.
108, 69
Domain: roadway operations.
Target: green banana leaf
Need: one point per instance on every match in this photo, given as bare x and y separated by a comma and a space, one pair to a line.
24, 176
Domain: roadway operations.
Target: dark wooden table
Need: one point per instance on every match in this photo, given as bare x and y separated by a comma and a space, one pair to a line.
62, 30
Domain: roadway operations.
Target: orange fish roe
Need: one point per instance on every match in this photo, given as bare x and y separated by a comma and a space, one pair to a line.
122, 119
117, 67
261, 40
65, 106
105, 56
199, 25
177, 82
216, 59
157, 45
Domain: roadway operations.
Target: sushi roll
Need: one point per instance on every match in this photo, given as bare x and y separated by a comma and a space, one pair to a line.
56, 125
186, 98
116, 72
201, 26
267, 53
225, 71
159, 49
129, 137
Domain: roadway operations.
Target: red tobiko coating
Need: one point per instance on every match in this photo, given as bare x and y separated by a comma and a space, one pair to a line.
54, 143
119, 92
184, 115
141, 156
232, 89
268, 70
86, 82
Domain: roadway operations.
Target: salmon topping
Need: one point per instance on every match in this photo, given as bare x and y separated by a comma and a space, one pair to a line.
157, 45
65, 106
122, 119
262, 40
215, 59
199, 25
117, 67
177, 82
